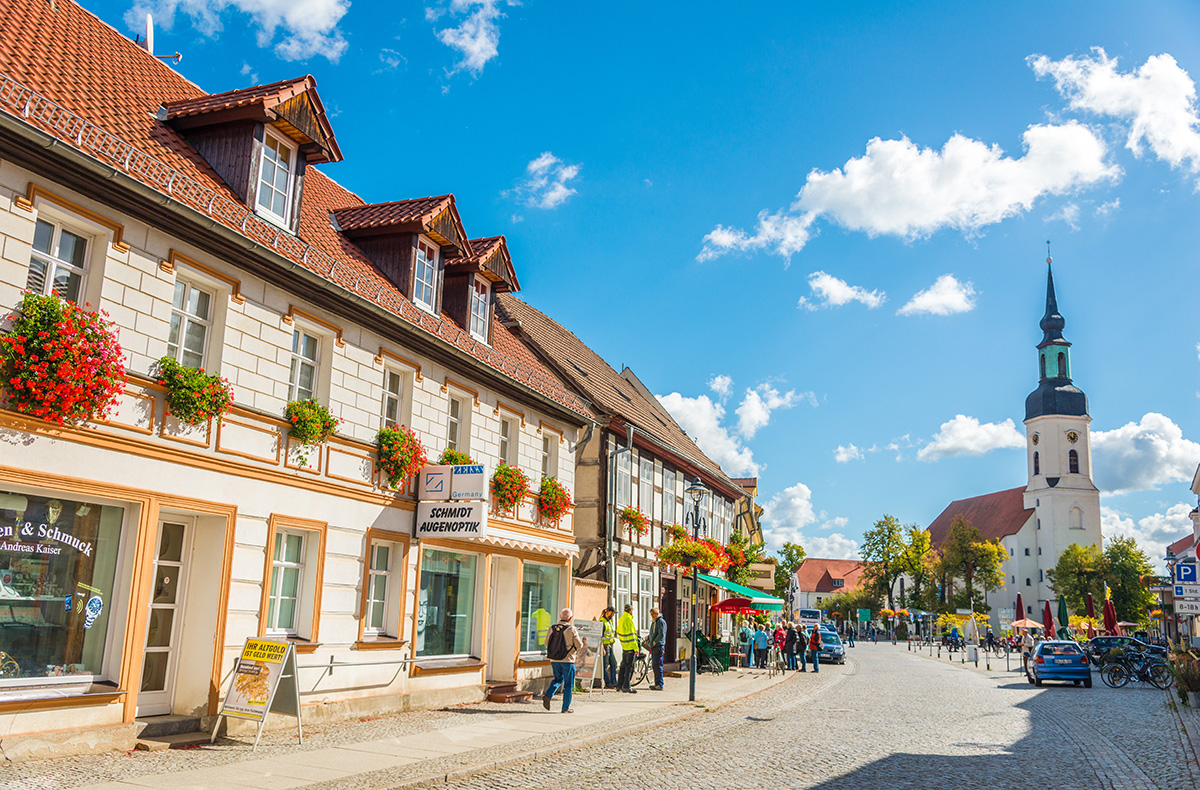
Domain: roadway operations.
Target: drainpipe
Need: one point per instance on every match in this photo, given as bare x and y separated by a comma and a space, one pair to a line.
610, 514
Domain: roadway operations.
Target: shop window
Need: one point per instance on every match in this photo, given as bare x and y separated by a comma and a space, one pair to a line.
446, 609
508, 442
58, 561
191, 320
623, 593
539, 605
645, 599
395, 393
58, 262
302, 380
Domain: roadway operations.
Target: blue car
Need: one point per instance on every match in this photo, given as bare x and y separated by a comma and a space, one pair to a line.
1059, 660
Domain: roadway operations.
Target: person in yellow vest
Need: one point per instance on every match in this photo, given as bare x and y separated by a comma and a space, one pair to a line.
607, 649
627, 634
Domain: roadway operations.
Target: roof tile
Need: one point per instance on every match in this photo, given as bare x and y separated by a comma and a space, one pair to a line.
995, 515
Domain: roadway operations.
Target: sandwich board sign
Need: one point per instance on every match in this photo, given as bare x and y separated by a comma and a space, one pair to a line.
264, 681
587, 659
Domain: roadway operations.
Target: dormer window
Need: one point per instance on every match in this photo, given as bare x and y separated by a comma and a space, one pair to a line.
481, 293
425, 275
276, 177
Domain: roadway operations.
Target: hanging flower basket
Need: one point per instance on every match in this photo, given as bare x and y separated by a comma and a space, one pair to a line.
193, 396
60, 362
676, 531
553, 500
635, 521
454, 458
684, 552
311, 423
509, 487
401, 455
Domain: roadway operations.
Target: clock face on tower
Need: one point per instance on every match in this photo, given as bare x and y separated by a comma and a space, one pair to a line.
1072, 436
1035, 438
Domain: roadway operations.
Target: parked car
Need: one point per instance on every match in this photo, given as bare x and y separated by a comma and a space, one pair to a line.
1059, 660
832, 650
830, 627
1099, 645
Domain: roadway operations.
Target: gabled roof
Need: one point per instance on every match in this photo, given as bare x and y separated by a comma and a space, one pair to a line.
293, 104
69, 75
995, 515
491, 257
1182, 545
816, 574
618, 398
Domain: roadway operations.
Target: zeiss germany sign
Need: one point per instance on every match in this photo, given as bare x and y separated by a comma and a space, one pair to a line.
442, 483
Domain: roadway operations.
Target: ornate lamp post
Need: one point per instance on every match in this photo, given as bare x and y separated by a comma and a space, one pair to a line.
696, 491
1171, 561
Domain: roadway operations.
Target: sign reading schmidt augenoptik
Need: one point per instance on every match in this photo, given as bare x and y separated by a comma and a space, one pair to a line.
450, 519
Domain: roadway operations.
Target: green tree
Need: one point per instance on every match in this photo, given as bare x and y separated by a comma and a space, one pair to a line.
882, 556
848, 603
743, 552
1127, 564
918, 548
1080, 570
788, 560
975, 562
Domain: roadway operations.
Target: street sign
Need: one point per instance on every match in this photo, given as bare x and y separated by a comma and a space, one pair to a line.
1187, 591
1187, 607
962, 611
1185, 573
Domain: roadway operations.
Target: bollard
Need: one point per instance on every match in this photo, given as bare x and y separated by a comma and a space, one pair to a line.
939, 650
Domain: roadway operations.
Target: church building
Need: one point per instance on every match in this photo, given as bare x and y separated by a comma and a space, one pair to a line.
1059, 505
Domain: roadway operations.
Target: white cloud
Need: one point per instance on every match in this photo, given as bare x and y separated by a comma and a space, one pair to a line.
1143, 455
1105, 210
1152, 533
847, 453
967, 436
701, 418
309, 27
1157, 100
786, 514
722, 385
755, 410
545, 182
391, 58
829, 291
1069, 214
899, 189
946, 296
476, 38
835, 546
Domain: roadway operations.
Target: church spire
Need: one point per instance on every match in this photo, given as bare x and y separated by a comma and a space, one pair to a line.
1052, 322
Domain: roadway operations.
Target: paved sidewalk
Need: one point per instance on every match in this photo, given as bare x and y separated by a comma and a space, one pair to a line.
393, 750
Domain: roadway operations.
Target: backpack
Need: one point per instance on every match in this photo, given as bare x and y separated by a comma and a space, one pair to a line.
556, 642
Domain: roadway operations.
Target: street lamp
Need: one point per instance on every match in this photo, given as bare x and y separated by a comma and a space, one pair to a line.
1171, 561
696, 491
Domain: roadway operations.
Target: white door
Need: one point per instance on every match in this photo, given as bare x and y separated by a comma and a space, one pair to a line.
165, 620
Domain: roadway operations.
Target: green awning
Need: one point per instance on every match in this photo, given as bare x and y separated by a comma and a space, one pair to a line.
768, 603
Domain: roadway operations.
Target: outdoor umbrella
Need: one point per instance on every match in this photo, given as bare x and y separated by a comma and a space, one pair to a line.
1026, 623
1048, 619
734, 606
1090, 608
1020, 613
1091, 630
1064, 620
1110, 617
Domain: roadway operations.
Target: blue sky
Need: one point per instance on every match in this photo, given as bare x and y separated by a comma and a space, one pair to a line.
818, 232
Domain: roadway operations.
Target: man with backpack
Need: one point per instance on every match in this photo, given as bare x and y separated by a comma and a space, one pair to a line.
628, 637
562, 643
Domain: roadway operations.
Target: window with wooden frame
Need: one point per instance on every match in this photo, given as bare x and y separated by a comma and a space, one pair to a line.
293, 576
381, 612
191, 324
396, 397
58, 262
458, 425
508, 441
624, 493
276, 178
481, 308
549, 455
303, 379
425, 264
646, 486
668, 510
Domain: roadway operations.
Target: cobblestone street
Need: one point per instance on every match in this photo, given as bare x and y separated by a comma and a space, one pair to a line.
893, 719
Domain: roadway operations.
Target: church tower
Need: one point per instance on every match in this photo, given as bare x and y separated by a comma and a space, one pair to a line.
1058, 445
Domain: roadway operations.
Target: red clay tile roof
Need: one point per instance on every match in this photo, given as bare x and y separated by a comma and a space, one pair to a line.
70, 75
816, 574
590, 374
1182, 545
994, 515
415, 214
242, 97
491, 253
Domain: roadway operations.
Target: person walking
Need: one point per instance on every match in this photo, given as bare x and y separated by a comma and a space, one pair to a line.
850, 634
761, 643
658, 644
627, 636
562, 643
814, 648
607, 650
746, 640
1026, 648
789, 646
801, 645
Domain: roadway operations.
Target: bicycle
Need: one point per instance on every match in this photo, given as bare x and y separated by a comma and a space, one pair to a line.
1118, 672
641, 667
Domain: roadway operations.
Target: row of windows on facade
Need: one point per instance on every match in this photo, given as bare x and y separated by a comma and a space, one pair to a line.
716, 512
1072, 463
58, 266
1028, 581
445, 616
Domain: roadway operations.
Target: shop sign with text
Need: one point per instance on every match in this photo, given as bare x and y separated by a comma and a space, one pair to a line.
442, 483
450, 519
